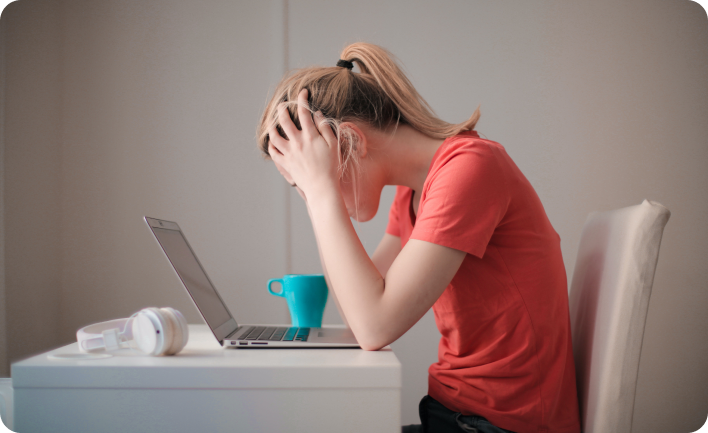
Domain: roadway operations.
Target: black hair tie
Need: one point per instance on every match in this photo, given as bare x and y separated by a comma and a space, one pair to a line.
345, 64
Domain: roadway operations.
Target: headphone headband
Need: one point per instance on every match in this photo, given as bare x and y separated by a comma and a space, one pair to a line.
92, 337
155, 331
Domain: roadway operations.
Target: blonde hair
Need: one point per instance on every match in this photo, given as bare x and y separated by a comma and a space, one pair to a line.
380, 96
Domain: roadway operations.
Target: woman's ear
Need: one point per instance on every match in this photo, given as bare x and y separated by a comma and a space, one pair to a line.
356, 136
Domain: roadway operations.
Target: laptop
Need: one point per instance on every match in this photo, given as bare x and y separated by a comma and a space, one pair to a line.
215, 313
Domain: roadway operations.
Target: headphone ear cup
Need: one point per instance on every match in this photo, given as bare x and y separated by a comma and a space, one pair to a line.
183, 326
173, 344
144, 333
149, 329
168, 334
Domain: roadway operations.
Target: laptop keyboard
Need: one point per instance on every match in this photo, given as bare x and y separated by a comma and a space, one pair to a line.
263, 333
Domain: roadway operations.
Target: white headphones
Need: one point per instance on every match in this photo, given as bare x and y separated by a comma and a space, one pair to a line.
156, 331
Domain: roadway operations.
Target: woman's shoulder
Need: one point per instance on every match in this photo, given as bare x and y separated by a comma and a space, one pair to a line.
466, 150
469, 141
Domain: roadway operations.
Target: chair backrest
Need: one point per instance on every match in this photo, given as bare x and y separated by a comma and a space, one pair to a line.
609, 299
6, 402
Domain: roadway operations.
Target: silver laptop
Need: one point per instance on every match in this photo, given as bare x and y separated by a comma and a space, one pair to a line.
217, 316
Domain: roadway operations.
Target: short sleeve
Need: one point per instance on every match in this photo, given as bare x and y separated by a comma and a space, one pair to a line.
464, 200
394, 219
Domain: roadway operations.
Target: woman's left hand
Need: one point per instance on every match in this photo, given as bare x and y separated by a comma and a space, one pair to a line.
310, 155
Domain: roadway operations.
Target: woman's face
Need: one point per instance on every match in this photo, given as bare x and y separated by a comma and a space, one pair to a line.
361, 189
361, 183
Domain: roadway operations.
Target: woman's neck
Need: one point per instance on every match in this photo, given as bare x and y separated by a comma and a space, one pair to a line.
405, 155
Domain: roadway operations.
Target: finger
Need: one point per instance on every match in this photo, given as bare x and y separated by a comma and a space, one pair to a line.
279, 160
304, 113
279, 143
274, 153
325, 129
286, 122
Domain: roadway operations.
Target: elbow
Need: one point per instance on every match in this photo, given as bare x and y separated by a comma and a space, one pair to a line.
372, 342
371, 347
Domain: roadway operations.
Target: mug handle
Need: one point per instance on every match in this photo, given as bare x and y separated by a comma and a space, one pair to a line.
282, 291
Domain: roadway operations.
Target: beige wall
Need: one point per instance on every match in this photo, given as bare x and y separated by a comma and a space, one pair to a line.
115, 110
4, 370
31, 171
160, 105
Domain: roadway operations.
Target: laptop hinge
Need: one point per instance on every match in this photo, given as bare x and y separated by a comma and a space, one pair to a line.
233, 333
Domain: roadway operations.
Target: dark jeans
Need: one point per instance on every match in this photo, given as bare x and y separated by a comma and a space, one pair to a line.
436, 418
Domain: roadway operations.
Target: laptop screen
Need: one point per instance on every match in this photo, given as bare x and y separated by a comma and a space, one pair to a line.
193, 276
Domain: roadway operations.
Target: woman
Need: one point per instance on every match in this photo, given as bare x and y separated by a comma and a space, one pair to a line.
467, 236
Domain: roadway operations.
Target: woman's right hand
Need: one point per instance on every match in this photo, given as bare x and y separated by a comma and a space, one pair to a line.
310, 155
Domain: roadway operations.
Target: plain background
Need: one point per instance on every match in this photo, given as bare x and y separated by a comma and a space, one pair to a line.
117, 109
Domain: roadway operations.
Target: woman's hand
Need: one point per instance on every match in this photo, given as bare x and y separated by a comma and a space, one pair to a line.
310, 156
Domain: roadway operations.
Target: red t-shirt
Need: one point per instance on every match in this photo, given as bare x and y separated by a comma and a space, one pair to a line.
505, 352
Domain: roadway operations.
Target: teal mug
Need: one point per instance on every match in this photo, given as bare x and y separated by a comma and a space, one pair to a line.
306, 295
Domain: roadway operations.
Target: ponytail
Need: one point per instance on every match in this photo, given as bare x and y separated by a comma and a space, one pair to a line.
380, 64
380, 96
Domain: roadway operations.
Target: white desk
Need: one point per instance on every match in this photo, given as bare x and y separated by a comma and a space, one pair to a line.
209, 389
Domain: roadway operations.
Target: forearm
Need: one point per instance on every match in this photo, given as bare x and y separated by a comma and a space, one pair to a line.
324, 271
357, 283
